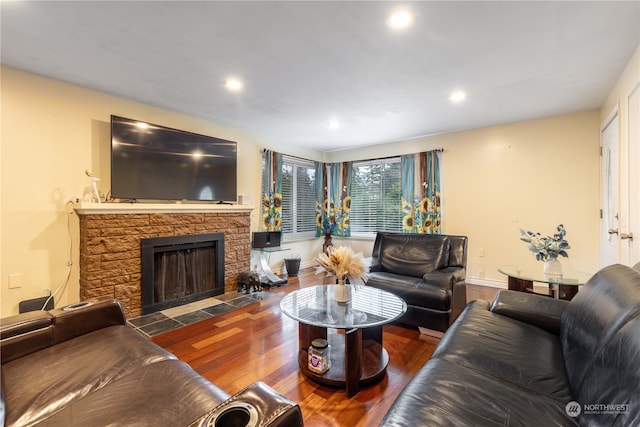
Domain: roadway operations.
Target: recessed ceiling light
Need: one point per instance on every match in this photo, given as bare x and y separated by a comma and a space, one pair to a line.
400, 19
458, 96
333, 124
233, 84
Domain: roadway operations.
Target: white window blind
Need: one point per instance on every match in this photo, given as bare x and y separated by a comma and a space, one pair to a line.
298, 197
376, 196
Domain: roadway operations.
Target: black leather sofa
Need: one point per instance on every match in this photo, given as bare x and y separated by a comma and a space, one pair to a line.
530, 360
428, 271
83, 366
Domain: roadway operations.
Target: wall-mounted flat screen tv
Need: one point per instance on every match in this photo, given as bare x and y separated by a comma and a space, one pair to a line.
153, 162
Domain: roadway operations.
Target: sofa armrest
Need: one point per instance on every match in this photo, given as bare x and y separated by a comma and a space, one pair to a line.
84, 317
24, 334
537, 310
458, 300
257, 405
445, 277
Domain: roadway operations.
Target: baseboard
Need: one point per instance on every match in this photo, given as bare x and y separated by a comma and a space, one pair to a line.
492, 283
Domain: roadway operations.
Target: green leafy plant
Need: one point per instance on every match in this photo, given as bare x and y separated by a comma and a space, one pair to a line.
548, 247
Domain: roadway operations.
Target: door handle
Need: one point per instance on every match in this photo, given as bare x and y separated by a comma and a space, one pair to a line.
613, 231
626, 236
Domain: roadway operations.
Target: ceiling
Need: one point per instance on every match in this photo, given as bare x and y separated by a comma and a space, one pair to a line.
306, 63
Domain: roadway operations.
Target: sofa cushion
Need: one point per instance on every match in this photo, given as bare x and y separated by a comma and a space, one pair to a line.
412, 290
444, 393
512, 351
44, 382
594, 316
141, 398
413, 255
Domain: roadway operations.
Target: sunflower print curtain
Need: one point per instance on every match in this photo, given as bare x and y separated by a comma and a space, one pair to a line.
421, 192
272, 191
333, 200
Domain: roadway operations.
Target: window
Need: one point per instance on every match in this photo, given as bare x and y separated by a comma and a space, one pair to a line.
376, 196
298, 197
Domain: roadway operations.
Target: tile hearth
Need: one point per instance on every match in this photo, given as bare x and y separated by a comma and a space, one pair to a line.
166, 320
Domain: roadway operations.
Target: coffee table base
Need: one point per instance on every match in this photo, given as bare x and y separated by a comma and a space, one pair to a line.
564, 292
357, 356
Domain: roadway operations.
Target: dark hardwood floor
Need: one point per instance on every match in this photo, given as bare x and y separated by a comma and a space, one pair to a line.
259, 343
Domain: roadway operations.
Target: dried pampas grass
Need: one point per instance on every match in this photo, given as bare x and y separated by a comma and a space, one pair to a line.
344, 263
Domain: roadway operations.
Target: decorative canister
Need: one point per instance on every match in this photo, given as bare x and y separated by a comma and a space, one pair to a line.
319, 355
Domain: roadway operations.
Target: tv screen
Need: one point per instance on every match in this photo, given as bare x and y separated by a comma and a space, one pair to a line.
160, 163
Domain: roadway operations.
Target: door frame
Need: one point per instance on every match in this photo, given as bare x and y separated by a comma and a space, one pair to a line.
604, 244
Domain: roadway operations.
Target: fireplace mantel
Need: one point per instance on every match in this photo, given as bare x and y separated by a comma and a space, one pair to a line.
84, 208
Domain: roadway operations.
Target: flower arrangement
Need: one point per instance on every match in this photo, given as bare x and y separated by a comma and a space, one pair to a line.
344, 263
549, 247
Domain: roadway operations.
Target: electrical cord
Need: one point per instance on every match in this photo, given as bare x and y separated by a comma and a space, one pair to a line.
65, 280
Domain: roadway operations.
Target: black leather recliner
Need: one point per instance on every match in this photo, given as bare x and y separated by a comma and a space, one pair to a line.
428, 271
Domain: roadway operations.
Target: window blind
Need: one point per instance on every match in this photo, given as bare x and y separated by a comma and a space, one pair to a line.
376, 196
298, 197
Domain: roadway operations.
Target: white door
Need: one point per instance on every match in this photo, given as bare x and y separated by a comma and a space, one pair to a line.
634, 175
609, 193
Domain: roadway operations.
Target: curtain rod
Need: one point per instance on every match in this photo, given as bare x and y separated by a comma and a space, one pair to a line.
438, 150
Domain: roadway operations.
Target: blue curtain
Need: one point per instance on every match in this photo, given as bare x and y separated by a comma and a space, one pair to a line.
321, 195
421, 192
333, 204
271, 191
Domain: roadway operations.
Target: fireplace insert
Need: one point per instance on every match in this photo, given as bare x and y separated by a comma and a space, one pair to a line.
181, 269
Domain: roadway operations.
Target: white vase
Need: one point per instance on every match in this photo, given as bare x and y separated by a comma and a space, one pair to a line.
342, 292
552, 269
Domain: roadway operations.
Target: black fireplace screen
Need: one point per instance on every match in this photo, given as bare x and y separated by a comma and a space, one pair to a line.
179, 270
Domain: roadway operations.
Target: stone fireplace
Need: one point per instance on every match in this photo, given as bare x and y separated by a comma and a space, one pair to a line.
111, 240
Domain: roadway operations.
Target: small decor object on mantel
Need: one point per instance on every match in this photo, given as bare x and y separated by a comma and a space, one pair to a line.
344, 264
547, 249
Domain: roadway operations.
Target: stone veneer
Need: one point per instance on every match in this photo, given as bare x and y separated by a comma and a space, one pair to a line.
110, 259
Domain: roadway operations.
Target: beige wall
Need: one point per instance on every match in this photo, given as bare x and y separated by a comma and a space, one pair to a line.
53, 131
532, 174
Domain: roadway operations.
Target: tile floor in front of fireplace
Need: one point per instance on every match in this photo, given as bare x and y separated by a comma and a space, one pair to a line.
166, 320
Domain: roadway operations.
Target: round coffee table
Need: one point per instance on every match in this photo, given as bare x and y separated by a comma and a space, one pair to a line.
357, 355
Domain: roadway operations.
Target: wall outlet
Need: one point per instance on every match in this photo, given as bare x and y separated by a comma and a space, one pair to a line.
15, 280
481, 252
480, 274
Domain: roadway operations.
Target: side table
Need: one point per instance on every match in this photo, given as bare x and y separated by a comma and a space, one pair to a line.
267, 276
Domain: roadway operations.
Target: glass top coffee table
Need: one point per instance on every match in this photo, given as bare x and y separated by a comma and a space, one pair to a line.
357, 355
560, 287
